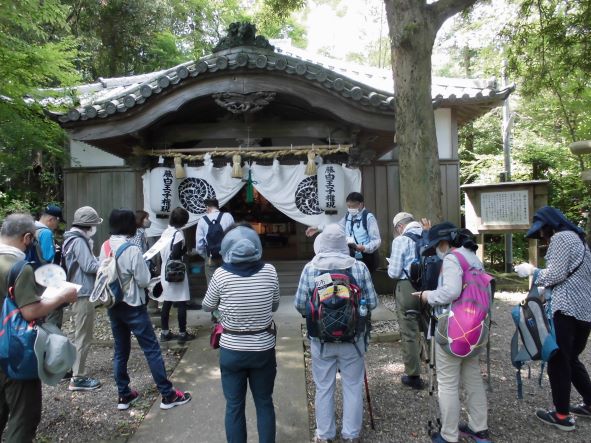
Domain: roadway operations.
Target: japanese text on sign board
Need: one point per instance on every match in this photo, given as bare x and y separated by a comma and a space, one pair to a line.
330, 175
167, 181
505, 208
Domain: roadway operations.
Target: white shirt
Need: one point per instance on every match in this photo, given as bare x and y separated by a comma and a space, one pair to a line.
178, 291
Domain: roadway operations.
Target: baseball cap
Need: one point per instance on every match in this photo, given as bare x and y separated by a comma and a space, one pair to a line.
401, 216
54, 210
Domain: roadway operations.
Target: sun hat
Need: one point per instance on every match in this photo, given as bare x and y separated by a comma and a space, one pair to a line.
55, 354
549, 216
331, 239
240, 245
86, 216
443, 231
401, 216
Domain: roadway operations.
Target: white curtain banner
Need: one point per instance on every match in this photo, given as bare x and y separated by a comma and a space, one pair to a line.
294, 193
201, 183
286, 187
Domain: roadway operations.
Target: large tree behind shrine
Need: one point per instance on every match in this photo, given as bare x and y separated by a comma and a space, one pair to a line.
413, 26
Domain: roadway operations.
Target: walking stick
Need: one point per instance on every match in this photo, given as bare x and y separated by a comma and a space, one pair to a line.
369, 408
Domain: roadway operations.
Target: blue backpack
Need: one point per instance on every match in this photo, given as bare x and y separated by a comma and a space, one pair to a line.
17, 336
34, 254
424, 270
534, 329
214, 236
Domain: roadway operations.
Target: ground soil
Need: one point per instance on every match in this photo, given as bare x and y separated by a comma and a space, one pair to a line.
93, 416
401, 414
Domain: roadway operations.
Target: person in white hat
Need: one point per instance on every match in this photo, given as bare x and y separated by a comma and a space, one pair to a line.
20, 400
82, 265
332, 254
402, 255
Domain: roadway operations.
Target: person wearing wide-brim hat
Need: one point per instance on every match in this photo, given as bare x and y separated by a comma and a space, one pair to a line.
82, 265
451, 370
568, 273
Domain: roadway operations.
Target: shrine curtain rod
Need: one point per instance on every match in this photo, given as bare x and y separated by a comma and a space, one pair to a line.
246, 150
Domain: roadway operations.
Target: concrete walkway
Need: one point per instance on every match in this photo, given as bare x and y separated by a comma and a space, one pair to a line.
202, 420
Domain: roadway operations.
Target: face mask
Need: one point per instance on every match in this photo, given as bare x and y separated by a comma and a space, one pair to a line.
147, 223
92, 231
440, 253
353, 211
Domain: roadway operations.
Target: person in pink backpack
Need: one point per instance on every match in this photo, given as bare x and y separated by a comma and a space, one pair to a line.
452, 370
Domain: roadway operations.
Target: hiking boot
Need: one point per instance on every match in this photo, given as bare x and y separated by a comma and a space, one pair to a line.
351, 440
322, 440
125, 401
167, 337
413, 381
84, 384
581, 410
185, 337
176, 398
437, 438
67, 376
550, 418
478, 437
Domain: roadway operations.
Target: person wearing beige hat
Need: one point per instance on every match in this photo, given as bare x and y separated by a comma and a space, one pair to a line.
81, 266
401, 257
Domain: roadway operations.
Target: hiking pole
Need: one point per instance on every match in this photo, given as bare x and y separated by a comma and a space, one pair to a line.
369, 408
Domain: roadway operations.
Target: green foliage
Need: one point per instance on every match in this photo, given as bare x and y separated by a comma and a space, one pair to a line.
35, 52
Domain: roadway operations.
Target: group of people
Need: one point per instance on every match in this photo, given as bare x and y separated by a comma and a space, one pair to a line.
243, 291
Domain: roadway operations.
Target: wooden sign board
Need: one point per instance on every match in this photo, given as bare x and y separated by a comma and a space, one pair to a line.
503, 207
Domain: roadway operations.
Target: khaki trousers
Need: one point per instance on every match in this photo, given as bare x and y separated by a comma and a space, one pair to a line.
409, 327
450, 372
83, 316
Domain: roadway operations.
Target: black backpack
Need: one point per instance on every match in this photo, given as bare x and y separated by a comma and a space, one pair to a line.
424, 270
214, 236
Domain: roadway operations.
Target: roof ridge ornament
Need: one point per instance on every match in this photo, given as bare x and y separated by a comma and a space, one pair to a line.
242, 34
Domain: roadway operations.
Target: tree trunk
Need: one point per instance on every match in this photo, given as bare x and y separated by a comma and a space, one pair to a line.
413, 25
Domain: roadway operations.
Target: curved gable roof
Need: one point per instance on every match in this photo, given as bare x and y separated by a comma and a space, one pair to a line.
370, 89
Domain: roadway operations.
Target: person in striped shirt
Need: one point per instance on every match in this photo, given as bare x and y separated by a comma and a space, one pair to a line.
245, 291
332, 254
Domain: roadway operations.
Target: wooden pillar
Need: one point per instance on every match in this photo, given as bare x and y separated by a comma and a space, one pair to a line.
533, 251
480, 243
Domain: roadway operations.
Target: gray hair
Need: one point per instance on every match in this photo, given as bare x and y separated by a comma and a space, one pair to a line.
16, 225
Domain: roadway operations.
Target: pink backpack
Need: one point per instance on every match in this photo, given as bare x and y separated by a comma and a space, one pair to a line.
463, 330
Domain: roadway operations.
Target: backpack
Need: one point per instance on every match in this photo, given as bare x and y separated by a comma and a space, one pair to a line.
175, 270
332, 312
371, 260
66, 250
214, 236
17, 335
424, 270
534, 330
464, 328
108, 290
34, 254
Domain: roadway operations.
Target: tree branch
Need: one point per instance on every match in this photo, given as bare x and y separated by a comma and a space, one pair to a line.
444, 9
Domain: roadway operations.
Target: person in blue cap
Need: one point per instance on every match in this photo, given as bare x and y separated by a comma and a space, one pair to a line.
42, 250
568, 273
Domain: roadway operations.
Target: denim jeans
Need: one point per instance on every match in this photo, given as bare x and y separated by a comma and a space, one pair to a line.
258, 368
126, 319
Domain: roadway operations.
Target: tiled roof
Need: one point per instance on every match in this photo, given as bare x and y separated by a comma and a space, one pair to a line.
369, 87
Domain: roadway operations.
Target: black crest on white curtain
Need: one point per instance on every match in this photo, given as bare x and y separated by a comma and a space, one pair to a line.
192, 193
306, 196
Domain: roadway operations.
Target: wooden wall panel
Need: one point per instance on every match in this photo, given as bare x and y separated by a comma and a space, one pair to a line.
104, 189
